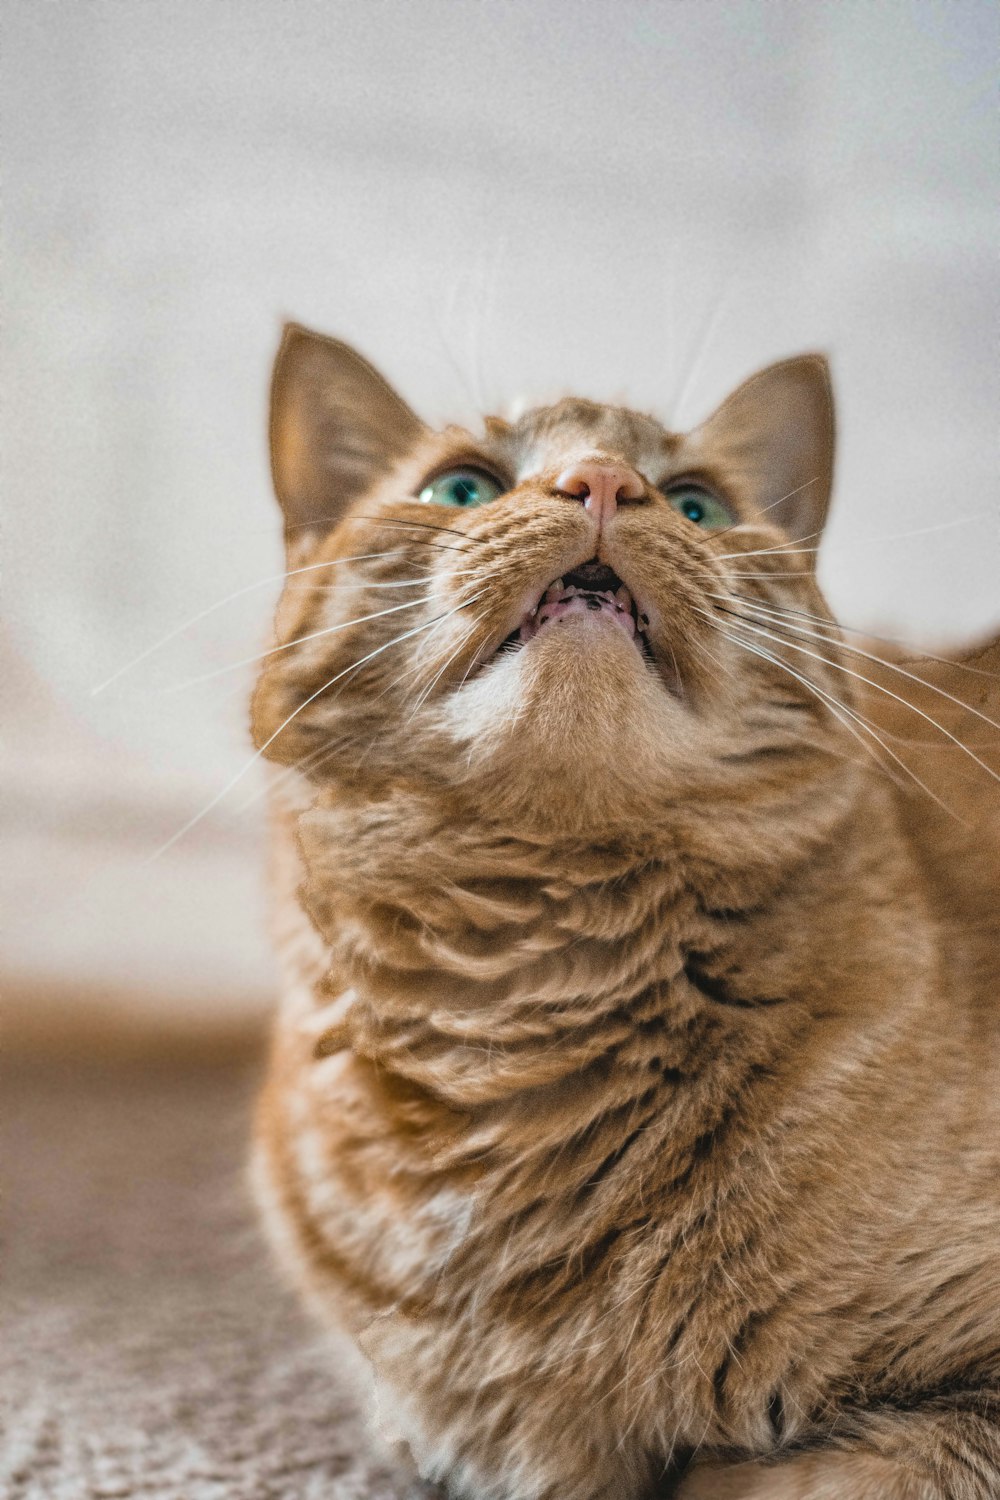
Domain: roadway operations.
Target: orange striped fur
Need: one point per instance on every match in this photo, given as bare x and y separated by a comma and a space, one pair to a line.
633, 1104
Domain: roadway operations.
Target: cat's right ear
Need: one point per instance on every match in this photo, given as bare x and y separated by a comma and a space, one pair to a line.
772, 441
336, 427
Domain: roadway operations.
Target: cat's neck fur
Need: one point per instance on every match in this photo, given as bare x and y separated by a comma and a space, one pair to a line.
482, 966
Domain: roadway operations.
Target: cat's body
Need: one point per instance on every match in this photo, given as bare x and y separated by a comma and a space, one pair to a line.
635, 1091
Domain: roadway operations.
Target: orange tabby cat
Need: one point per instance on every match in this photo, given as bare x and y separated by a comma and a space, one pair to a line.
634, 1097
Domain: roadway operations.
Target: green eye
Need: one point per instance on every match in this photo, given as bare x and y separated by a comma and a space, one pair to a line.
699, 506
461, 487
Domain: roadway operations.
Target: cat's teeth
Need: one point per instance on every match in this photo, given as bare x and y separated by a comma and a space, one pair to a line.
554, 589
624, 598
570, 591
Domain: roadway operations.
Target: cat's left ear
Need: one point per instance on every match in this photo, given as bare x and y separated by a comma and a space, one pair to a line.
336, 428
772, 440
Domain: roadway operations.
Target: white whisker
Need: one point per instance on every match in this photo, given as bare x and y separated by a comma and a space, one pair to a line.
360, 515
871, 635
192, 822
791, 547
900, 536
838, 710
703, 343
179, 687
425, 694
220, 603
857, 651
765, 508
784, 549
364, 583
839, 667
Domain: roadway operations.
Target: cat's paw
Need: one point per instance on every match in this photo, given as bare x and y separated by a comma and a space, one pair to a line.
812, 1476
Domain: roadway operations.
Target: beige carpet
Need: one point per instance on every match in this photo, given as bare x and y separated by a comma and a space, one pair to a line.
148, 1348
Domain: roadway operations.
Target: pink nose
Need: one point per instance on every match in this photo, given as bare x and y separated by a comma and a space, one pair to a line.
601, 486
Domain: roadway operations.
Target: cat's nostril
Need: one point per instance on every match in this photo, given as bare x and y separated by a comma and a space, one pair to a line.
571, 482
601, 486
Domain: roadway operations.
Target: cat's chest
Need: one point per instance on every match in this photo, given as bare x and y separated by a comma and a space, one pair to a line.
423, 1196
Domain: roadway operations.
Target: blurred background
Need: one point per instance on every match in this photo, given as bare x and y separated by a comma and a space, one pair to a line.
641, 201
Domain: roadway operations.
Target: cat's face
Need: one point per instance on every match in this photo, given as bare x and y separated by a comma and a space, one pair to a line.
543, 621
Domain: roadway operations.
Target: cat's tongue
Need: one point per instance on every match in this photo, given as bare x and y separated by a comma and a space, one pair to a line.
560, 601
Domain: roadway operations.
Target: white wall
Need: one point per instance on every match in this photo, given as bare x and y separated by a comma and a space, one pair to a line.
493, 200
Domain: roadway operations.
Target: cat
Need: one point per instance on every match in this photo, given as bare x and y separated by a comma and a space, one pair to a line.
633, 1101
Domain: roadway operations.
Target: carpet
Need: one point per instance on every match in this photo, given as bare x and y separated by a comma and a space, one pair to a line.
148, 1347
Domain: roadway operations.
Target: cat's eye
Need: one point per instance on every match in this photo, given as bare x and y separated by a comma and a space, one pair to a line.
699, 506
461, 487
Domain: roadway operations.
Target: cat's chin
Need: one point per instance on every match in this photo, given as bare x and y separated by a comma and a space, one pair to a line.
578, 720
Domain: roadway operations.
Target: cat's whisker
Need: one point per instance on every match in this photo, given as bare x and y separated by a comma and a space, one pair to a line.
703, 343
899, 536
249, 764
274, 578
179, 687
426, 692
485, 302
315, 759
812, 634
703, 649
725, 530
364, 583
415, 669
358, 515
465, 675
879, 687
761, 573
791, 547
311, 761
442, 327
441, 620
870, 635
839, 710
785, 549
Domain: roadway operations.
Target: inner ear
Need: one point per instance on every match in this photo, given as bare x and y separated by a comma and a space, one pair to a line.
772, 440
336, 427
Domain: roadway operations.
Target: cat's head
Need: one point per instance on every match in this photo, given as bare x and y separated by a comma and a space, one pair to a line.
558, 621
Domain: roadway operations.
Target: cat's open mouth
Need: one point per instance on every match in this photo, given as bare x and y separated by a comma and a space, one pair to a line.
595, 590
591, 588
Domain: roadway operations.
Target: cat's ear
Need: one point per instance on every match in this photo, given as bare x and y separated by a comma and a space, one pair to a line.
336, 427
773, 438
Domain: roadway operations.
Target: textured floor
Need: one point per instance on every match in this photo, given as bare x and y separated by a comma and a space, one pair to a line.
148, 1348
